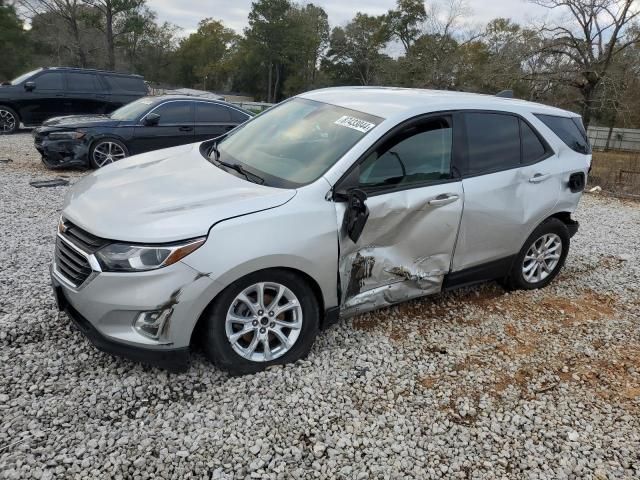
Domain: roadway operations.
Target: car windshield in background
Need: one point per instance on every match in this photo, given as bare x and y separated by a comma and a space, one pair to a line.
133, 110
296, 142
23, 77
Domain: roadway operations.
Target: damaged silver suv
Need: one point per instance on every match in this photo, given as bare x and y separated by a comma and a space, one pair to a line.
335, 202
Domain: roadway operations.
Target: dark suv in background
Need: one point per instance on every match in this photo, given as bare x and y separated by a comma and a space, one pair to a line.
36, 96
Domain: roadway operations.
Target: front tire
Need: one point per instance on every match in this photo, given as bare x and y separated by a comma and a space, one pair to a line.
266, 318
9, 120
106, 151
541, 258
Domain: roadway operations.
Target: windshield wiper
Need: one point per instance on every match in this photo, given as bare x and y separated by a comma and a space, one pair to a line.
236, 167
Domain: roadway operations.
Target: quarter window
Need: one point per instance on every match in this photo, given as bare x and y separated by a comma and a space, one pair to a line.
420, 154
532, 147
212, 113
493, 142
175, 113
570, 130
49, 81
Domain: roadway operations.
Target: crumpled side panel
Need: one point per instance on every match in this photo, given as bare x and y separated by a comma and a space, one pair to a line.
404, 251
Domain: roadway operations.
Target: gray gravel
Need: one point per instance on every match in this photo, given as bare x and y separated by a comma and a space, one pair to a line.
473, 384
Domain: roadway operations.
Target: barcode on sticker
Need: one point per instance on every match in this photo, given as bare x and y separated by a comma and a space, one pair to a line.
355, 123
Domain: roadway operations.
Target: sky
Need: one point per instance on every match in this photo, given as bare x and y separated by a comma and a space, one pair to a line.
187, 13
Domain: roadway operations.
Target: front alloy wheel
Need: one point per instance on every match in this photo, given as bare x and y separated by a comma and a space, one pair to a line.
264, 321
8, 121
265, 318
106, 152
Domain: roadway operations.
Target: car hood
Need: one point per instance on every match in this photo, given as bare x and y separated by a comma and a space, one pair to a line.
79, 121
164, 196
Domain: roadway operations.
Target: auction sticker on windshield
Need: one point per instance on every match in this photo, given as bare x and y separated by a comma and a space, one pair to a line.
355, 123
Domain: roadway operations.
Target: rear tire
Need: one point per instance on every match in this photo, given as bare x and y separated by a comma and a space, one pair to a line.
541, 258
106, 151
243, 334
9, 120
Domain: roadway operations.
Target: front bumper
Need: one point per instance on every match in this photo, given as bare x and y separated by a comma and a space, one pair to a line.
174, 360
106, 306
62, 153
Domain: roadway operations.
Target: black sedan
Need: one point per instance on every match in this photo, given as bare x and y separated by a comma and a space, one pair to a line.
150, 123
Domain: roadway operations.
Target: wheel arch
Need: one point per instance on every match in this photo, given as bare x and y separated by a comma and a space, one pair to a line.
311, 282
15, 109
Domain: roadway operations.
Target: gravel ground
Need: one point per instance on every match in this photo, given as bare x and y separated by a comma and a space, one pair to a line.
473, 384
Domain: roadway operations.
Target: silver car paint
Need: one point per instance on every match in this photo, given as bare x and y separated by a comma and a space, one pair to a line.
175, 194
164, 196
405, 248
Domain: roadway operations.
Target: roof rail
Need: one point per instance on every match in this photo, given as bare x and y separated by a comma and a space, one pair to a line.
505, 94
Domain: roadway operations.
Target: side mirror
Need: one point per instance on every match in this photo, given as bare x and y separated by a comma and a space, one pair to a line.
152, 119
356, 214
30, 86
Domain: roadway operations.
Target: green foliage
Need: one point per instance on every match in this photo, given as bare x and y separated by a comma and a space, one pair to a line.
288, 48
13, 39
204, 57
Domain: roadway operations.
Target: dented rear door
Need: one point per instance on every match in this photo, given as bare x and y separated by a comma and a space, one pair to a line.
406, 246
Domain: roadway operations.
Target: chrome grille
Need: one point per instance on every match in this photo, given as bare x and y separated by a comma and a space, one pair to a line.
82, 239
71, 264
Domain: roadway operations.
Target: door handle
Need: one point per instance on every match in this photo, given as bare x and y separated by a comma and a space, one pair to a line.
185, 129
539, 177
443, 199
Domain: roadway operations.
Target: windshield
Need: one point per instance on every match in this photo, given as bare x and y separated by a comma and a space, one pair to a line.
296, 142
132, 111
23, 77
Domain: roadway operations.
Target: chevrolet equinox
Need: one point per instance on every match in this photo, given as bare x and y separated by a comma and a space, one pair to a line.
335, 202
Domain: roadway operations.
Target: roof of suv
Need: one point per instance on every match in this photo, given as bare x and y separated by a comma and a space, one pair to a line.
92, 70
387, 102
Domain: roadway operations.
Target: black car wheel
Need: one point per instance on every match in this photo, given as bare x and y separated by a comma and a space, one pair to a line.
106, 151
9, 121
268, 317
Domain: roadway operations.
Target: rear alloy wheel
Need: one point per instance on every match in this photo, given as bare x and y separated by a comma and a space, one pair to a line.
541, 257
8, 121
107, 151
269, 317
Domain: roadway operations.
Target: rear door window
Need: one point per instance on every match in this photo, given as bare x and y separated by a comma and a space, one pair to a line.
493, 141
212, 113
569, 130
50, 81
82, 82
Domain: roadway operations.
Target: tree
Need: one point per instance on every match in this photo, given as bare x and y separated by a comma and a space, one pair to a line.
596, 35
203, 57
307, 41
13, 38
355, 51
117, 18
405, 21
70, 12
268, 33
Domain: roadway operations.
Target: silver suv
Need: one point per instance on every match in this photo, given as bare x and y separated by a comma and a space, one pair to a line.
335, 202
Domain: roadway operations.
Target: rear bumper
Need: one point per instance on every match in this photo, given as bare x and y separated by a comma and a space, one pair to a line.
175, 360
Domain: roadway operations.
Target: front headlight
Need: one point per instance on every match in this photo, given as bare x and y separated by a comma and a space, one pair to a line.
76, 135
120, 257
